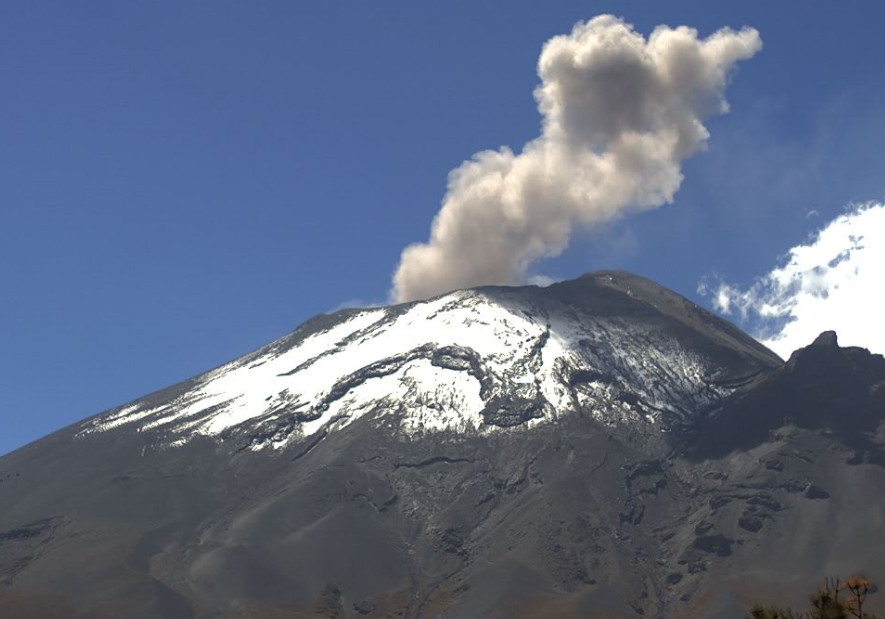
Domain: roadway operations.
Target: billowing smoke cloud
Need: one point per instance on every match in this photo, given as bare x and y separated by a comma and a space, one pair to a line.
620, 113
834, 282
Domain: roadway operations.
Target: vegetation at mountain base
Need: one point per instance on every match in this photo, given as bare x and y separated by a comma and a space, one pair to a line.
836, 599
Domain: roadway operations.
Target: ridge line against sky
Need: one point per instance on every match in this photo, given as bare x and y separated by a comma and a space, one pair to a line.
834, 281
182, 185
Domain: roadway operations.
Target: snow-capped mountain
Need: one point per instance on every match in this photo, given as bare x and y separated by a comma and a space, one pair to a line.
601, 447
610, 345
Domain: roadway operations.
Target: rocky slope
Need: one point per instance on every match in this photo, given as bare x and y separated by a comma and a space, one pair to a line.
601, 447
472, 361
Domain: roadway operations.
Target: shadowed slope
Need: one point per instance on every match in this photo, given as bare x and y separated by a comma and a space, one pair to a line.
603, 471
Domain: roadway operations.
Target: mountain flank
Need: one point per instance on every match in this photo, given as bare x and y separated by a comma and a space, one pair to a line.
598, 448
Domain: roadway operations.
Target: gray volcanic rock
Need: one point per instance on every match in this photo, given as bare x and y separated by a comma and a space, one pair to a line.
601, 447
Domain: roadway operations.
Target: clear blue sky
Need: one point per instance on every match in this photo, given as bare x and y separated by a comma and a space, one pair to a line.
183, 182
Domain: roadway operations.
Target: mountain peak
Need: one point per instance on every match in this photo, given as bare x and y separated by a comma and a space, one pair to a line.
473, 361
828, 339
598, 444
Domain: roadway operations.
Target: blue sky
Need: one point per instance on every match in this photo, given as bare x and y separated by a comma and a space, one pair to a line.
183, 182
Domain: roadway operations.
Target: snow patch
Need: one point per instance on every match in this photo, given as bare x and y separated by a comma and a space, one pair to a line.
383, 362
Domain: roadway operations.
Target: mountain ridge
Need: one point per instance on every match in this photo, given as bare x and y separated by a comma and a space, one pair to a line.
555, 320
684, 471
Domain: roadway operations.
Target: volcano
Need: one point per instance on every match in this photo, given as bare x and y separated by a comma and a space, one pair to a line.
601, 447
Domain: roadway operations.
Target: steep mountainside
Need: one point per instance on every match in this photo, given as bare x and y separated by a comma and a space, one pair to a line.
475, 361
601, 447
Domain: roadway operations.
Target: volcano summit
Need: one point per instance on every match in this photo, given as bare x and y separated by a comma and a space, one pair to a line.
601, 447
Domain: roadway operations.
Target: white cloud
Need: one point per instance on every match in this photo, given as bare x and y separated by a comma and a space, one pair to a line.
620, 113
355, 304
540, 280
834, 282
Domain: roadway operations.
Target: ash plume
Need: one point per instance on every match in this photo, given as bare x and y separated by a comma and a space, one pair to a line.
620, 114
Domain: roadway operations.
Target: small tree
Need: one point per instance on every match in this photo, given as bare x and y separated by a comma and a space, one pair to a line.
825, 602
859, 587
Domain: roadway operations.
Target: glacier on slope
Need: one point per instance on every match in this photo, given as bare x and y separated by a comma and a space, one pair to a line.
480, 360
